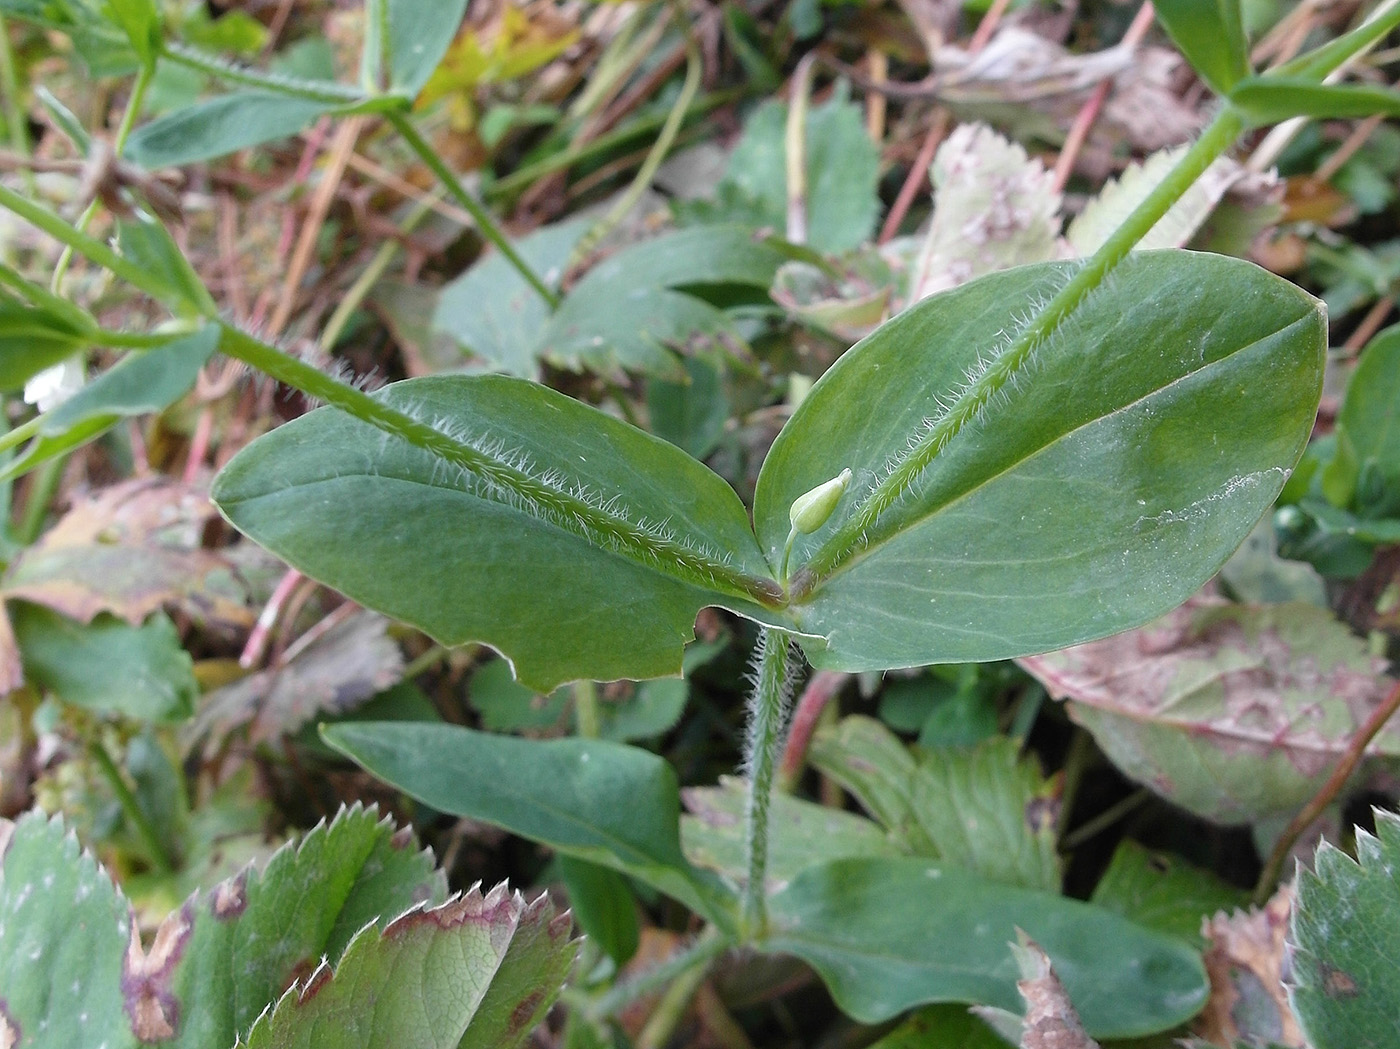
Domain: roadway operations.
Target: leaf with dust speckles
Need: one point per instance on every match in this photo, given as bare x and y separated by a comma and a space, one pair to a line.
1236, 712
1346, 984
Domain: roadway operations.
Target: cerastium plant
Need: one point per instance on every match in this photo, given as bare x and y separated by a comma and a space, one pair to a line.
1042, 457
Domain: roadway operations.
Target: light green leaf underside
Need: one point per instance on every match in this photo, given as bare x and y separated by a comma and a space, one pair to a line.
889, 934
402, 531
611, 804
1099, 488
219, 126
1346, 924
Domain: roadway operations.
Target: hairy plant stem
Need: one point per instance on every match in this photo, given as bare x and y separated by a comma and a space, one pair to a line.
131, 808
868, 523
485, 223
605, 529
311, 90
767, 718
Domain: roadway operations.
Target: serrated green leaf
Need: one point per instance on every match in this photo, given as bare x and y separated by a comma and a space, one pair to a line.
493, 312
1236, 712
64, 930
630, 309
220, 126
1163, 892
1270, 99
1211, 36
603, 802
1346, 922
107, 665
419, 982
842, 172
889, 934
981, 809
139, 384
801, 834
1090, 493
594, 540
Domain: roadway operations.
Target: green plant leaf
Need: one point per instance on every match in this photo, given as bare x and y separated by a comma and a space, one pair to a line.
651, 710
149, 244
139, 384
633, 308
1211, 36
78, 963
691, 414
220, 126
981, 809
33, 338
889, 934
64, 930
1270, 99
493, 312
420, 981
1370, 413
610, 804
1163, 892
419, 35
1236, 712
1345, 924
140, 21
801, 833
843, 168
1090, 493
610, 536
107, 665
603, 905
940, 1026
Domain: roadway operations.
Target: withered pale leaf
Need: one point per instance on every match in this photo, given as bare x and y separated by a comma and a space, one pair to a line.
131, 550
1245, 960
1236, 712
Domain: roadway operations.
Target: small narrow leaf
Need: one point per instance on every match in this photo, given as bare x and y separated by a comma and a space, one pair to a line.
1270, 99
603, 802
1211, 36
31, 339
149, 244
889, 934
1345, 925
139, 384
221, 126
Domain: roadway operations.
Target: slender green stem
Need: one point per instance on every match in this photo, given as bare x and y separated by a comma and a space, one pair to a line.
213, 65
587, 715
663, 1020
21, 433
485, 223
367, 279
868, 524
708, 946
608, 528
16, 120
664, 141
795, 137
131, 808
767, 718
43, 484
567, 158
38, 295
133, 109
1104, 820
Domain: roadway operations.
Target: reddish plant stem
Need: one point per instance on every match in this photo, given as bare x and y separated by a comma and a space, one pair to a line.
820, 691
262, 629
1089, 112
1268, 878
914, 181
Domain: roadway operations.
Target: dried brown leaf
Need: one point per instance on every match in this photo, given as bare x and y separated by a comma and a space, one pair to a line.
1246, 964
